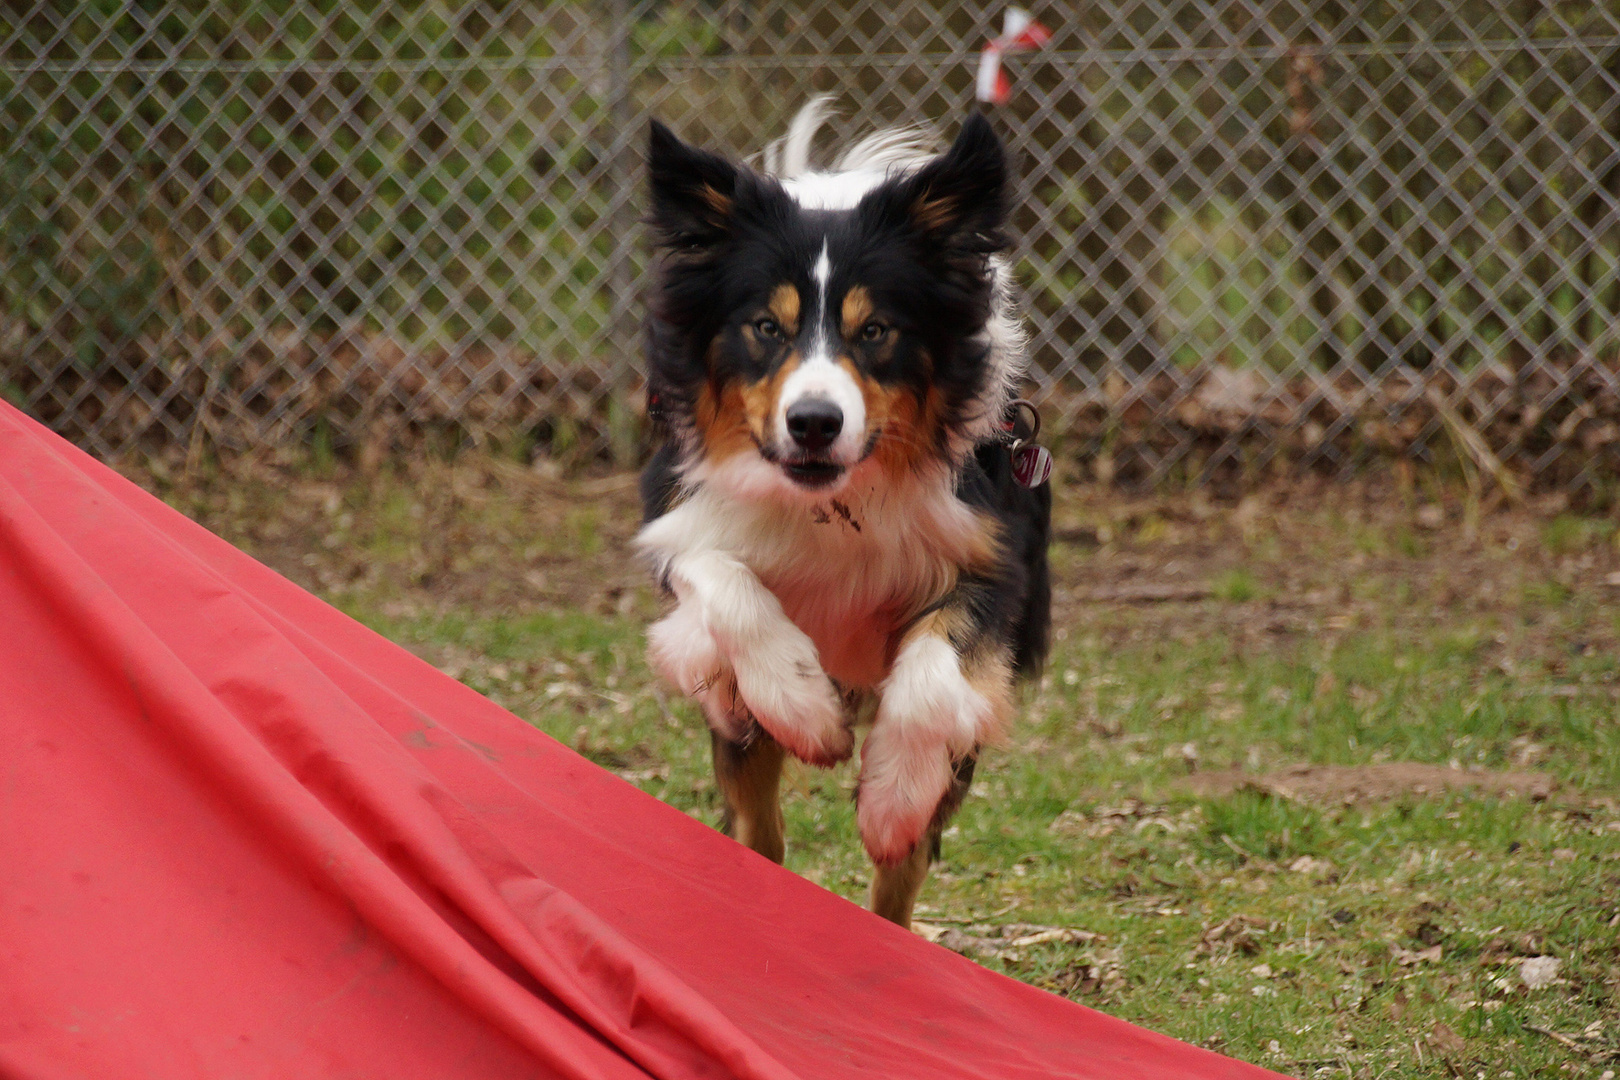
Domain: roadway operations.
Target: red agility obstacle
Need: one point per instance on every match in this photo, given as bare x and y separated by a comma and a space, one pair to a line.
243, 836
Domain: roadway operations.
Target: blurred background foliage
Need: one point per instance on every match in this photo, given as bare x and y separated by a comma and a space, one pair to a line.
1248, 231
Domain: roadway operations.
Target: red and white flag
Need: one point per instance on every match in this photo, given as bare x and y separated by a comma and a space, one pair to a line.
1019, 33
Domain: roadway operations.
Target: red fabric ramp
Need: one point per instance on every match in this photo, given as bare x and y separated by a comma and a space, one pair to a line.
243, 836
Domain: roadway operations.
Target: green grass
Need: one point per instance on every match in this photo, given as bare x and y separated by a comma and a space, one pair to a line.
1237, 586
1381, 939
1566, 533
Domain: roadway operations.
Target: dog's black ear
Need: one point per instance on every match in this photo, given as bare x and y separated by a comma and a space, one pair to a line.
693, 192
959, 199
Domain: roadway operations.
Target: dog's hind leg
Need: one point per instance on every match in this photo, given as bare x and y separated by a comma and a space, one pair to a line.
895, 887
749, 774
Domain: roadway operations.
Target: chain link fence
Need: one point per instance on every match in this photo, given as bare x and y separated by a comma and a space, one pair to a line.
1251, 231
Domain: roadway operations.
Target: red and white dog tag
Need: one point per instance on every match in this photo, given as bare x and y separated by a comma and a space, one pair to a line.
1032, 465
1031, 462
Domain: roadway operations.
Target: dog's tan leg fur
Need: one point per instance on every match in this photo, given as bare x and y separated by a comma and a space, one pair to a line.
749, 776
895, 888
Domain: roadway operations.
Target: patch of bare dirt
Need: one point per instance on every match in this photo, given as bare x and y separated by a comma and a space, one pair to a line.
1302, 560
1331, 784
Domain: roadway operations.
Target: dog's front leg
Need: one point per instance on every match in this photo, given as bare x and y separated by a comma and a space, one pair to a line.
684, 652
950, 689
729, 631
895, 885
749, 773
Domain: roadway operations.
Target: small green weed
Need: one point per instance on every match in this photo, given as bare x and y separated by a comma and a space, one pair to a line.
1236, 586
1566, 534
1410, 544
1549, 593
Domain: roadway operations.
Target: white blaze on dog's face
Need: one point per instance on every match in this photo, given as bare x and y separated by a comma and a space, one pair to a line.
806, 332
821, 405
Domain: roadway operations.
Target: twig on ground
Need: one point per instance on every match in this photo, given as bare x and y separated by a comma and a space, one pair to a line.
965, 919
1556, 1037
1248, 855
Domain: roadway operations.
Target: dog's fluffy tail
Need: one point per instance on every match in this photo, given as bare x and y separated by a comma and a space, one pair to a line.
899, 149
895, 148
789, 156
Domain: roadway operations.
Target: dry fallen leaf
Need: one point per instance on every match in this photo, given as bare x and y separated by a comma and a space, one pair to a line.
1445, 1040
1408, 957
1307, 864
1539, 972
1012, 936
1234, 934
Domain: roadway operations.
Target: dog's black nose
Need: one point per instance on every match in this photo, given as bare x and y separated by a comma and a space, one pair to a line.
814, 423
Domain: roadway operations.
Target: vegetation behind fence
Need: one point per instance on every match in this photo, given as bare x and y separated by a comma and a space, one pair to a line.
1250, 232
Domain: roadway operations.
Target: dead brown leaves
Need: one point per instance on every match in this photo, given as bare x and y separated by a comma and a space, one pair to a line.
1237, 934
1130, 815
1410, 957
1096, 968
1445, 1040
1568, 402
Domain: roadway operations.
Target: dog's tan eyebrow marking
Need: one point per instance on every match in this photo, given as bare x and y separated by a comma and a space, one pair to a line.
857, 310
784, 307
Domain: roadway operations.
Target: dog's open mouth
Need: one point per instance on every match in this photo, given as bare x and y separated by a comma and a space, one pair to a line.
812, 474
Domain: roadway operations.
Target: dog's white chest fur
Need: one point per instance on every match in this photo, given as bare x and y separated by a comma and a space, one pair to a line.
846, 568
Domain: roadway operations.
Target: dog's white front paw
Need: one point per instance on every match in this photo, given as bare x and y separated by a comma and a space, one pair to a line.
780, 679
681, 648
775, 679
685, 653
900, 788
928, 716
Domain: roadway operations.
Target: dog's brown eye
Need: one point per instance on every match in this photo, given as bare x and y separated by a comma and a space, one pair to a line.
768, 328
873, 331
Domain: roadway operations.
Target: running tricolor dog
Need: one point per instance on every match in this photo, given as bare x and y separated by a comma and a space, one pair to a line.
832, 356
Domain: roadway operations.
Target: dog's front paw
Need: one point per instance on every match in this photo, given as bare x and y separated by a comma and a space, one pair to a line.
900, 789
682, 650
780, 679
928, 716
685, 653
